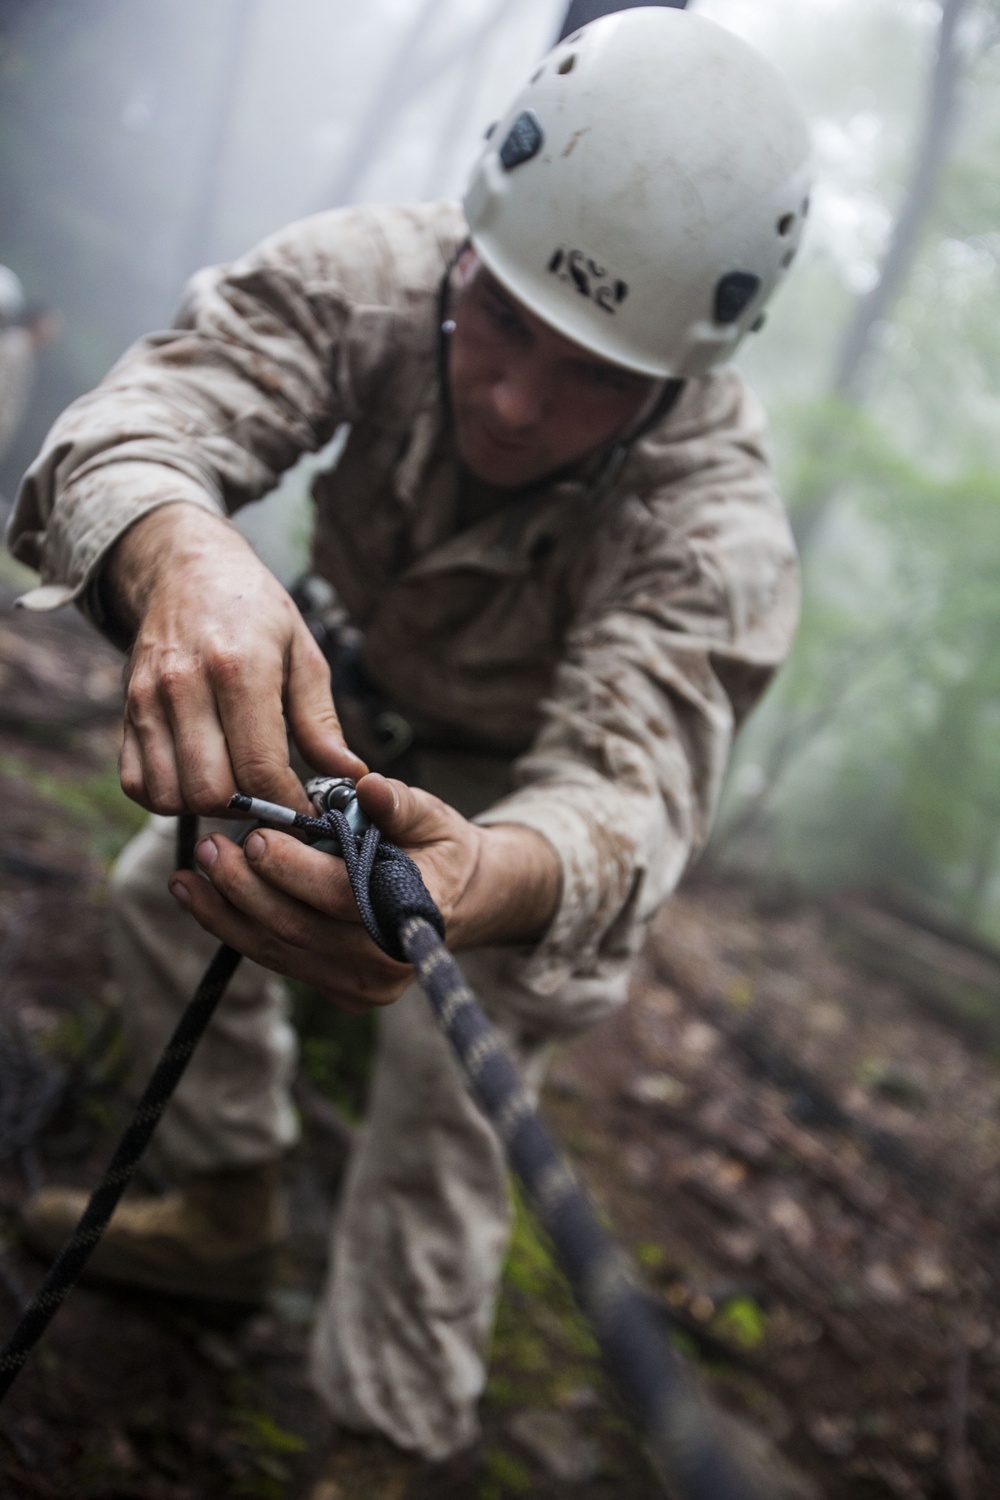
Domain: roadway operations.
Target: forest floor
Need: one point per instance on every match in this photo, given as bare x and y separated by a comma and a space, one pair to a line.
801, 1154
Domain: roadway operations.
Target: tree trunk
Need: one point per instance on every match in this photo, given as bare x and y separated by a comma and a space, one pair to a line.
872, 311
198, 245
408, 74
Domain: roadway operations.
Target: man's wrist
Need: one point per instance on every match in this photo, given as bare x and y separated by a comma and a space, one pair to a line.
515, 889
172, 536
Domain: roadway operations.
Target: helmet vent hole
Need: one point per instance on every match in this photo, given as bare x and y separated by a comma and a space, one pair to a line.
523, 141
785, 224
537, 74
567, 64
733, 294
787, 259
805, 207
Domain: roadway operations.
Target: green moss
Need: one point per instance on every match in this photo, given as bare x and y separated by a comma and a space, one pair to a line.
541, 1344
742, 1322
96, 804
505, 1475
90, 1037
650, 1256
529, 1266
262, 1469
265, 1435
338, 1049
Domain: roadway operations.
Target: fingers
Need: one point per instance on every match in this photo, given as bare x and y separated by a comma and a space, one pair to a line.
210, 681
283, 933
227, 923
174, 753
312, 717
295, 924
405, 814
204, 770
130, 768
148, 763
250, 708
305, 874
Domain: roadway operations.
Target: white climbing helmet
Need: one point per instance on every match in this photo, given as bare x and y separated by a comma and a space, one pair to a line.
13, 303
645, 192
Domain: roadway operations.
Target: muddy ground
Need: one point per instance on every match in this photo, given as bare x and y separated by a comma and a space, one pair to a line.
801, 1153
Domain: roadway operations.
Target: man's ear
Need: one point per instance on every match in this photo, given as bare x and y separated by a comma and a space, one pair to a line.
467, 267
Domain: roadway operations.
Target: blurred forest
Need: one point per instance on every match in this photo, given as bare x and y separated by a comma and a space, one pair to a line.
138, 140
795, 1124
874, 762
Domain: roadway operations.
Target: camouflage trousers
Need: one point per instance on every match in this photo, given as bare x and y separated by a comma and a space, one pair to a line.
419, 1235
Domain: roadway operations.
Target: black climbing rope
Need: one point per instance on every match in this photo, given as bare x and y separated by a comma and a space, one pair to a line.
400, 916
103, 1201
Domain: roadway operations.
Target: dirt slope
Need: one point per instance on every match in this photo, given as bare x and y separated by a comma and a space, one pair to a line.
802, 1155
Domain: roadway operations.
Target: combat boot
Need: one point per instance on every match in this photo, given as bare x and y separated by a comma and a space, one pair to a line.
364, 1467
215, 1239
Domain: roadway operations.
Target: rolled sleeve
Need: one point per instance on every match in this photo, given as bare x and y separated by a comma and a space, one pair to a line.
266, 359
95, 510
598, 876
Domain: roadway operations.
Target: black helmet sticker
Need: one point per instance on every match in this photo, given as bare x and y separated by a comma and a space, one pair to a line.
589, 278
523, 140
734, 292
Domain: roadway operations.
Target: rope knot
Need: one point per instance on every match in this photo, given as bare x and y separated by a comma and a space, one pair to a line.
387, 885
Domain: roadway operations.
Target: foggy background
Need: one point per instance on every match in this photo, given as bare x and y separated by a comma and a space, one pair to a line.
140, 139
794, 1124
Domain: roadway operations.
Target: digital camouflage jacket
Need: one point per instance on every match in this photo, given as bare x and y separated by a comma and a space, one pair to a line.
609, 636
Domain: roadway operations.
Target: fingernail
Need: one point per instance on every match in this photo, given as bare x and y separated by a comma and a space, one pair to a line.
254, 846
179, 891
206, 853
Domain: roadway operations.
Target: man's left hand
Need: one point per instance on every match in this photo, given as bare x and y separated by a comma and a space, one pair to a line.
290, 907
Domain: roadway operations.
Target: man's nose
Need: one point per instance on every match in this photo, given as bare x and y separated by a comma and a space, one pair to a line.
519, 398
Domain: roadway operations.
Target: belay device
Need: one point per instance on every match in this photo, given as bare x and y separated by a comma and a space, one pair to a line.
400, 916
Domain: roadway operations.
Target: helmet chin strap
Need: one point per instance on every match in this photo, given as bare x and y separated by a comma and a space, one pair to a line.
652, 411
661, 399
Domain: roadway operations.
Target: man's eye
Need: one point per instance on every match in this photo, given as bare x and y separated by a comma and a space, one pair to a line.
607, 377
502, 317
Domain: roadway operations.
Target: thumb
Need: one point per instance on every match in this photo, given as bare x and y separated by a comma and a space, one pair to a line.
312, 717
404, 814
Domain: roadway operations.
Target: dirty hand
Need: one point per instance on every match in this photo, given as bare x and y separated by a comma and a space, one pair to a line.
220, 653
289, 907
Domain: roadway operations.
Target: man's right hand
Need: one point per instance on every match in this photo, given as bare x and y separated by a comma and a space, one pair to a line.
220, 655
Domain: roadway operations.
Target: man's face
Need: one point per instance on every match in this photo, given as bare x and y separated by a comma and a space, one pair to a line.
526, 401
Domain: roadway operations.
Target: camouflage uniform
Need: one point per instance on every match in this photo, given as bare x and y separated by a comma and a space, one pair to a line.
601, 635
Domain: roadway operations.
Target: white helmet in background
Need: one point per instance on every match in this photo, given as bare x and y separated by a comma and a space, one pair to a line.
645, 192
13, 302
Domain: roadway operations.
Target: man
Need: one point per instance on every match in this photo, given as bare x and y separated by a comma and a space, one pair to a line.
558, 536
